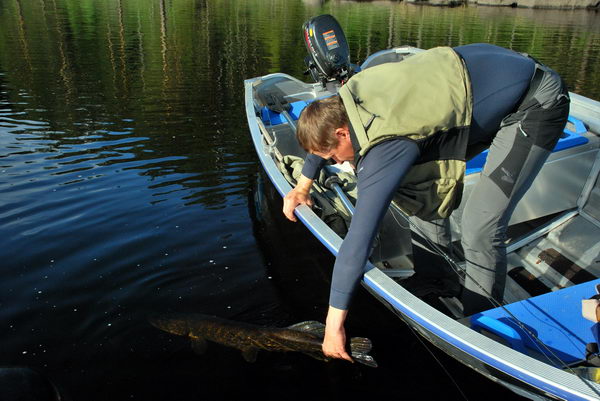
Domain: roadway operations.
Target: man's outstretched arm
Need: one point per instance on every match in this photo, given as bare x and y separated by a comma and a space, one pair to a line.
379, 175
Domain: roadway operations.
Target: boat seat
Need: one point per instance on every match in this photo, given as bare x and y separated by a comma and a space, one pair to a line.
554, 318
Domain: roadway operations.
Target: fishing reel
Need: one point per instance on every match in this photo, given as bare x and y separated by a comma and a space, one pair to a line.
328, 52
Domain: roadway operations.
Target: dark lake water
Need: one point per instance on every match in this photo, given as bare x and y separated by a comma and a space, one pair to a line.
129, 185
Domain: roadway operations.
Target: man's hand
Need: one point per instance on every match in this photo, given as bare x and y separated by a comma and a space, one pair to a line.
334, 343
300, 195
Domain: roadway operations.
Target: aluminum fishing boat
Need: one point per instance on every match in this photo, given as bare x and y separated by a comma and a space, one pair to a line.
535, 343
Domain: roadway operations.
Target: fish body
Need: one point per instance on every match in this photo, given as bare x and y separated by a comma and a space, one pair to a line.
305, 337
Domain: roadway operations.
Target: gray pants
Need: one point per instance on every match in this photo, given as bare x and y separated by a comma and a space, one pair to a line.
517, 153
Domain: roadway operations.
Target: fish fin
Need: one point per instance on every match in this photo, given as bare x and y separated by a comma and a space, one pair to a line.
199, 345
360, 344
249, 354
359, 348
310, 326
364, 359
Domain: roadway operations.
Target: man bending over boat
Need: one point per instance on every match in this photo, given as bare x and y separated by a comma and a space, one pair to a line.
408, 128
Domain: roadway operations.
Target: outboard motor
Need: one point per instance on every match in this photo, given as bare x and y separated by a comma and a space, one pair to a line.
328, 52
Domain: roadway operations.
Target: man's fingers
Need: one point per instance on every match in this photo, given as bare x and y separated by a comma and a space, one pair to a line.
290, 215
340, 355
337, 352
288, 210
291, 201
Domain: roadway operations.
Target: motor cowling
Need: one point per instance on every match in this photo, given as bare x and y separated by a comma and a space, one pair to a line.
328, 52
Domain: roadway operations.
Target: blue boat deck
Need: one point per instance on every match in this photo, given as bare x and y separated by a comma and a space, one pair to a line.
554, 318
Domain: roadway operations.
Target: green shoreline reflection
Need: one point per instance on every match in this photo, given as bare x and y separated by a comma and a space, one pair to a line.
126, 57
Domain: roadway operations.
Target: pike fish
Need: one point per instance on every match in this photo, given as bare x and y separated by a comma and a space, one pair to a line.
305, 337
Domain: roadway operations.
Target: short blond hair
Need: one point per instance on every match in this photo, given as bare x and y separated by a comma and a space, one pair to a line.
317, 123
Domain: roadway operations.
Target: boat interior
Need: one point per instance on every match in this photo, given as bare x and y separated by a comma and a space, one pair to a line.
554, 235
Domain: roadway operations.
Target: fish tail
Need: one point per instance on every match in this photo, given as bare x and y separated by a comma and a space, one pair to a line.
360, 344
360, 348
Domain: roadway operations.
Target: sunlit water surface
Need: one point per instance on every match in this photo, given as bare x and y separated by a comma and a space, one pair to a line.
129, 185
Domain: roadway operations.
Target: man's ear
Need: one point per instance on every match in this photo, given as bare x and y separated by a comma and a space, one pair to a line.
342, 132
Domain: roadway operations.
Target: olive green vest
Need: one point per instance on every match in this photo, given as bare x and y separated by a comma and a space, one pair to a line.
425, 98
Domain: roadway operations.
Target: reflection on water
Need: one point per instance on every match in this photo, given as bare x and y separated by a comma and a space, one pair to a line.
128, 182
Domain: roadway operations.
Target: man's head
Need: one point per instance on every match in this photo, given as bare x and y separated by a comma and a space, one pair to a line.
323, 130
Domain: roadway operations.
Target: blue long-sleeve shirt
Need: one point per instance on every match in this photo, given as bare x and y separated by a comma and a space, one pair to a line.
499, 79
